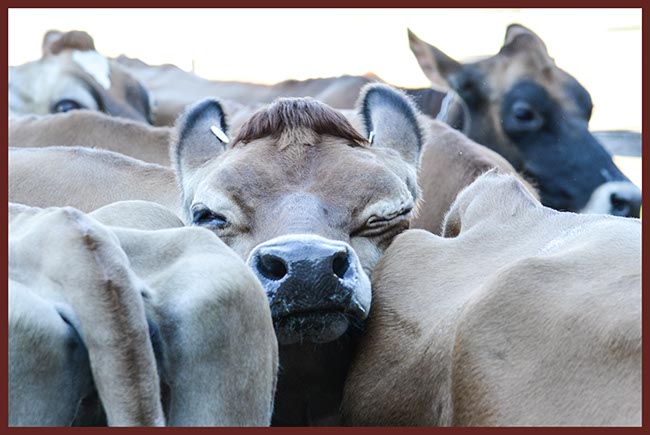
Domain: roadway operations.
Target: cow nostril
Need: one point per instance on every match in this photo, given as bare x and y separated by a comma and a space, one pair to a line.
620, 204
272, 267
340, 264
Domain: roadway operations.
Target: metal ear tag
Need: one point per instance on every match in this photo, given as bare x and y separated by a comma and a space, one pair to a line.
220, 134
371, 136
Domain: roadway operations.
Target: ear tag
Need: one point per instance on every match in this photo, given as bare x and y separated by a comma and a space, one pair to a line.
371, 136
220, 134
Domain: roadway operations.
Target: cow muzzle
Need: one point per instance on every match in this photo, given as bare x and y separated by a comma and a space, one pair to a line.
316, 287
618, 198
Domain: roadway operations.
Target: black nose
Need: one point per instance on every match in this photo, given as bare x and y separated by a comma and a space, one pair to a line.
626, 204
274, 262
308, 274
271, 266
315, 286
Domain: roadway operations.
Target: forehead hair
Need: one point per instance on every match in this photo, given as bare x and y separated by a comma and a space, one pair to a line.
73, 40
298, 118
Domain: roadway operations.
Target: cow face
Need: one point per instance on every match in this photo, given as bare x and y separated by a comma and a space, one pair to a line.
71, 75
308, 201
536, 115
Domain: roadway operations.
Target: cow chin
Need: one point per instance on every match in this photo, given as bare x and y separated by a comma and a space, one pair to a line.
310, 327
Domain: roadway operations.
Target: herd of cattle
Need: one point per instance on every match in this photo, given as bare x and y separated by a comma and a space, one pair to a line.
188, 252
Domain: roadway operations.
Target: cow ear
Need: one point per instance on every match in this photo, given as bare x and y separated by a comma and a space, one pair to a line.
435, 64
201, 134
390, 120
519, 38
129, 99
56, 41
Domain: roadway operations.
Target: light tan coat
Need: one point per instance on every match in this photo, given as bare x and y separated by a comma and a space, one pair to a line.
122, 293
521, 315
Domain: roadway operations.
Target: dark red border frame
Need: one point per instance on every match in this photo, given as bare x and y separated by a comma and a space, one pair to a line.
321, 4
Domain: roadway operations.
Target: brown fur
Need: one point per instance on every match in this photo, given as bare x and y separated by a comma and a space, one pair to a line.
94, 130
55, 41
520, 316
523, 56
173, 89
215, 331
285, 115
330, 189
86, 179
449, 163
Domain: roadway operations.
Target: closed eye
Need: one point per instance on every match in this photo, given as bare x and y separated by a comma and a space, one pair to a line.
389, 217
203, 216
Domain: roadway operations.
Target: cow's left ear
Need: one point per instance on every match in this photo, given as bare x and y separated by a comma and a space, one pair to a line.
519, 38
201, 135
390, 120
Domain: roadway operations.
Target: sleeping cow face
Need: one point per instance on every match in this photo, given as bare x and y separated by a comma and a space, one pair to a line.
307, 200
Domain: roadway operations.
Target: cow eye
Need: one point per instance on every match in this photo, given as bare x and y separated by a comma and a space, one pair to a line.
380, 220
523, 112
66, 105
203, 216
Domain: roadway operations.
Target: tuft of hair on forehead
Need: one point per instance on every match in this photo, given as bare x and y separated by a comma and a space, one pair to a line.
55, 41
299, 121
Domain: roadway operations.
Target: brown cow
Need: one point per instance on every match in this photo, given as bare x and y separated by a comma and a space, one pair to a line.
521, 315
521, 105
300, 194
174, 89
450, 161
98, 130
72, 75
93, 297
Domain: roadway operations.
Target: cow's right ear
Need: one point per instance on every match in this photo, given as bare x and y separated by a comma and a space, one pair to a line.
435, 64
201, 135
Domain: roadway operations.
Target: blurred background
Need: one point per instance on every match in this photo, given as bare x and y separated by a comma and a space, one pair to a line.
599, 47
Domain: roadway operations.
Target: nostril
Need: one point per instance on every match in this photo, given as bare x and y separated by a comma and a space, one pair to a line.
620, 204
340, 264
271, 267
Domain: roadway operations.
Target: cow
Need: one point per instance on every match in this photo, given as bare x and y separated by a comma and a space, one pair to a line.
128, 303
92, 129
309, 202
72, 75
523, 106
449, 161
564, 184
174, 89
519, 315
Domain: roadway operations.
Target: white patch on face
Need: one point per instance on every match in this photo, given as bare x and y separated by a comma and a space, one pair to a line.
95, 65
601, 202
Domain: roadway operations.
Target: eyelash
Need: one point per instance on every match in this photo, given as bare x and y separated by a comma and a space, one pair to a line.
403, 213
203, 216
381, 225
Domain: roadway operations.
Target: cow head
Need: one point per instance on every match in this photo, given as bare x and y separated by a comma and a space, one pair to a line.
72, 75
307, 200
536, 115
